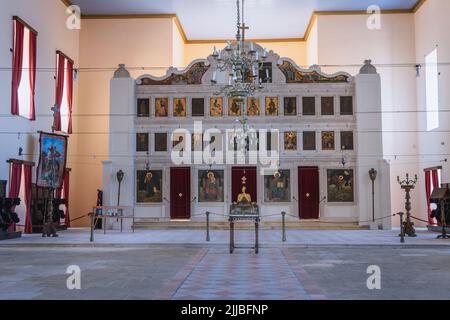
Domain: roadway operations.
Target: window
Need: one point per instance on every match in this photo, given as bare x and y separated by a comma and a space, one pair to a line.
309, 141
432, 90
346, 106
24, 69
309, 106
347, 140
64, 91
198, 107
327, 106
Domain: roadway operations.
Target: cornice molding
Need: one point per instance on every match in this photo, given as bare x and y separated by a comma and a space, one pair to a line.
180, 28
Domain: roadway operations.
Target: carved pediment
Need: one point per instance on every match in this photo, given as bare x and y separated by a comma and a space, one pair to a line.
191, 76
294, 74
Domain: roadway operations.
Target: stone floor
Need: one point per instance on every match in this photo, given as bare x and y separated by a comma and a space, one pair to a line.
80, 237
311, 265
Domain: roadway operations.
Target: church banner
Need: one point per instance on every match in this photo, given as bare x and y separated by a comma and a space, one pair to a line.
52, 160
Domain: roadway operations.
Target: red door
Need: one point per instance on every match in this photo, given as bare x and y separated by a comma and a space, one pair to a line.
309, 192
244, 177
180, 193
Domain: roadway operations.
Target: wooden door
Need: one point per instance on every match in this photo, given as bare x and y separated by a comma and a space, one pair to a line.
244, 176
180, 193
309, 192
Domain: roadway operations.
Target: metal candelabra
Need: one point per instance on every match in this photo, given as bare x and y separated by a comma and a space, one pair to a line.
408, 185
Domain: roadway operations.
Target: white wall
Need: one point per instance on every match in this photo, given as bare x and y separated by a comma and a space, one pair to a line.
432, 26
48, 17
344, 42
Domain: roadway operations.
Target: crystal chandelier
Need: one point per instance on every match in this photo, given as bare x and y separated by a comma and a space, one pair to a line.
242, 62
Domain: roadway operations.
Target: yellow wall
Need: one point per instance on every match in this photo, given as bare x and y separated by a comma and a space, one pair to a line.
295, 50
104, 43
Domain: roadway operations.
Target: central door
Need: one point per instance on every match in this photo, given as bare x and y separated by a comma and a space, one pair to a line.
309, 192
244, 177
180, 193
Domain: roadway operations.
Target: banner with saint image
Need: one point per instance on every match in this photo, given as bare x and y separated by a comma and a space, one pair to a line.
52, 160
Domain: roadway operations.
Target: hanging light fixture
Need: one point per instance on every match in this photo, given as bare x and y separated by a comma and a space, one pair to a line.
242, 62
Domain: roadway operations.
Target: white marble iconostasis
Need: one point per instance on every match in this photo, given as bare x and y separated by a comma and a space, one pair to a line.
125, 124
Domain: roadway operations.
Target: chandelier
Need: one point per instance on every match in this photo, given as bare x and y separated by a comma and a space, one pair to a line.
242, 63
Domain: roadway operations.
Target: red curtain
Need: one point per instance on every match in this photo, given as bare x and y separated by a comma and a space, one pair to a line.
428, 194
70, 92
33, 47
60, 73
27, 170
17, 65
435, 176
15, 176
66, 196
237, 173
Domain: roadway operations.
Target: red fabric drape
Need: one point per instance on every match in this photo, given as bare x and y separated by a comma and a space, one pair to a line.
66, 196
17, 65
27, 171
60, 73
70, 92
15, 176
33, 47
435, 176
428, 194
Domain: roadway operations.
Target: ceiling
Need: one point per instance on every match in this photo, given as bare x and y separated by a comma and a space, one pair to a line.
216, 19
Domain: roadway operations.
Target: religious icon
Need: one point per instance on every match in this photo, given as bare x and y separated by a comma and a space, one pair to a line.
290, 106
216, 108
198, 107
340, 185
143, 108
211, 185
271, 106
142, 142
253, 108
277, 187
309, 106
328, 140
347, 140
290, 141
346, 106
161, 107
179, 107
160, 142
309, 140
197, 142
327, 106
149, 186
234, 107
244, 197
178, 141
52, 161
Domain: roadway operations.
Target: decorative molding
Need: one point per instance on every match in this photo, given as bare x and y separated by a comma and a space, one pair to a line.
295, 74
192, 75
305, 38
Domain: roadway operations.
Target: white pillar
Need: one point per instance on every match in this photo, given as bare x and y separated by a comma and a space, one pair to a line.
122, 142
370, 148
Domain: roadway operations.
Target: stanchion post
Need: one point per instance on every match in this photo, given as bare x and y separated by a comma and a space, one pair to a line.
402, 229
92, 225
208, 239
283, 217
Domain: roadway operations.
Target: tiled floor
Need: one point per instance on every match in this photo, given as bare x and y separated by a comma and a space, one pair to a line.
243, 276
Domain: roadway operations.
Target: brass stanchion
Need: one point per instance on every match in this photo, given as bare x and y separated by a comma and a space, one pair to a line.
402, 230
208, 239
283, 216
